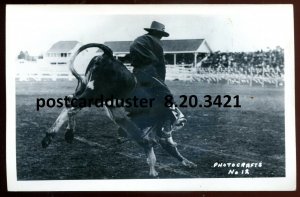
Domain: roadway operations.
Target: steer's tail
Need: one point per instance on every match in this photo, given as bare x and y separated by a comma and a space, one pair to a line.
107, 51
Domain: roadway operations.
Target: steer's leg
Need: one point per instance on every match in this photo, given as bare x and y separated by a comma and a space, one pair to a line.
60, 121
166, 141
151, 159
119, 116
69, 135
51, 132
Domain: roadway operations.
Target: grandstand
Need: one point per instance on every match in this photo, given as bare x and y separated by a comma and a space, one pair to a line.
180, 51
260, 67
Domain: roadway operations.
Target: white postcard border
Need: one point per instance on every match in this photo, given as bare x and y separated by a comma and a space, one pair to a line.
193, 184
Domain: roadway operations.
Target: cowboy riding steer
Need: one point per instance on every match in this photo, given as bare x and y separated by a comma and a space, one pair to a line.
106, 77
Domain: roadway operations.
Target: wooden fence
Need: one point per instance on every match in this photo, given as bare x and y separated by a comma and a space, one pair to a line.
178, 72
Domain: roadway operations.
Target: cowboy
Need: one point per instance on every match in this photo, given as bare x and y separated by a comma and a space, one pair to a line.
149, 66
147, 54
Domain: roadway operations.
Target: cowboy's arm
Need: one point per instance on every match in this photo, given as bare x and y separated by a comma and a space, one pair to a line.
142, 52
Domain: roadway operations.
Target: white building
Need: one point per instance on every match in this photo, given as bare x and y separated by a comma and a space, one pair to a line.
61, 52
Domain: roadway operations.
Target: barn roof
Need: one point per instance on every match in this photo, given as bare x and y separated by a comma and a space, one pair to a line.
119, 46
181, 45
184, 45
62, 46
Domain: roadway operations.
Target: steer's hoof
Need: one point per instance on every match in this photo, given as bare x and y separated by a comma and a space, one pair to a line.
121, 140
188, 163
153, 174
47, 140
179, 124
69, 136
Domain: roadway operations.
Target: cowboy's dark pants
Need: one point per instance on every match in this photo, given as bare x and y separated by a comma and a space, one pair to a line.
157, 89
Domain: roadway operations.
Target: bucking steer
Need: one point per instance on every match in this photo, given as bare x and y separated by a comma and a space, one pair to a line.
106, 76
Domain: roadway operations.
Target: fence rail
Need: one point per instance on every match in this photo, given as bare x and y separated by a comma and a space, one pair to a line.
184, 73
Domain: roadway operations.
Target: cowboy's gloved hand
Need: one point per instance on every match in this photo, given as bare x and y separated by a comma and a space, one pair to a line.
70, 97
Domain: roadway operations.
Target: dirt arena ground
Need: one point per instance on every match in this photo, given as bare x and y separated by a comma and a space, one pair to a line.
251, 134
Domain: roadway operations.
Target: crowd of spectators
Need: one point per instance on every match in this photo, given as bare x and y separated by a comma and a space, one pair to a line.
266, 65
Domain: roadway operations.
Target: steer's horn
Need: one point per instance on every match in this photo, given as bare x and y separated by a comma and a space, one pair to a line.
104, 48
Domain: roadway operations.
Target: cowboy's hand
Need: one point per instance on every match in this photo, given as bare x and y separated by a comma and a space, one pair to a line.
70, 97
69, 100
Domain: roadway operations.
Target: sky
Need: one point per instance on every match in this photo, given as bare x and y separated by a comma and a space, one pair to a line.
225, 28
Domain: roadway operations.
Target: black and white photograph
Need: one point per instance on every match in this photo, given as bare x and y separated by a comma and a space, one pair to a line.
150, 98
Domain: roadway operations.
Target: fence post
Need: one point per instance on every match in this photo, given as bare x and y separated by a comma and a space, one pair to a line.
228, 76
251, 76
263, 77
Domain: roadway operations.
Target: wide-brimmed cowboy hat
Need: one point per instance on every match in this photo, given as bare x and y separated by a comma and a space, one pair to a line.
157, 28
